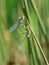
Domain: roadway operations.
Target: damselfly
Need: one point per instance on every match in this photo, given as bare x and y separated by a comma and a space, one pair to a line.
18, 22
28, 35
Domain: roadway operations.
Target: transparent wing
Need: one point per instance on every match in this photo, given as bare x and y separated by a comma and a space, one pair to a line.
22, 43
12, 28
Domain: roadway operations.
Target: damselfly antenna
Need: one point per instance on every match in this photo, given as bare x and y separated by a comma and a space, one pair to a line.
18, 22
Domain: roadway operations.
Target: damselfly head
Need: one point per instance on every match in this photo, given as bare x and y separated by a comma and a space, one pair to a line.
21, 19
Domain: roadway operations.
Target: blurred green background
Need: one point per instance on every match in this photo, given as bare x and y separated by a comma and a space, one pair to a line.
37, 13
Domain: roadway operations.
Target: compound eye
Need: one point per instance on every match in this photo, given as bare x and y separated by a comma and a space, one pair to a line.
21, 19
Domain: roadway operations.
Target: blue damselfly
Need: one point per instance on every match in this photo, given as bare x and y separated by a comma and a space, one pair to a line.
28, 35
18, 22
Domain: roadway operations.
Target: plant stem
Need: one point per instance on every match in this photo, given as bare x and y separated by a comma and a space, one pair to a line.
40, 48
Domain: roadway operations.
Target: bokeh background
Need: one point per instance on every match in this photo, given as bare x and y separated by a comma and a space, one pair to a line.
37, 12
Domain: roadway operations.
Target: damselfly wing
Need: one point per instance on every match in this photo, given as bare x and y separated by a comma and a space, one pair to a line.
22, 43
12, 28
